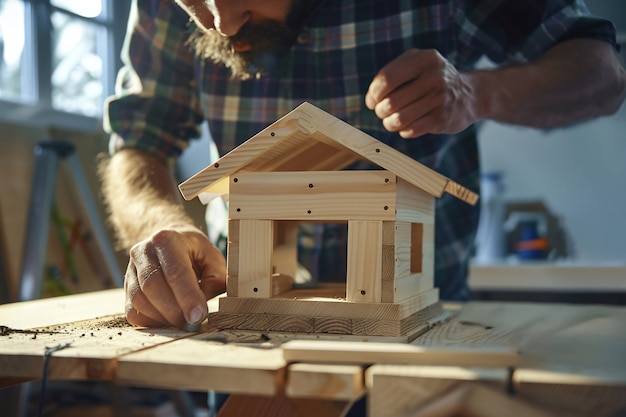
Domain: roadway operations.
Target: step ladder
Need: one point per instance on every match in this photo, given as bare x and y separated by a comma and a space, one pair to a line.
48, 155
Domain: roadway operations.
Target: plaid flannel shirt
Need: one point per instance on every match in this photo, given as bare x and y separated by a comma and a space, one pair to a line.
164, 93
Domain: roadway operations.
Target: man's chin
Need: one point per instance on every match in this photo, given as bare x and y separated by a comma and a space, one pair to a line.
254, 51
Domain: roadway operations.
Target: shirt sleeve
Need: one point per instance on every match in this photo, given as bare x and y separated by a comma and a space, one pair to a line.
156, 106
513, 30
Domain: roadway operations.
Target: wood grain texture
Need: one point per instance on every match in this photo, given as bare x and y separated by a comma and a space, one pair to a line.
94, 347
385, 353
64, 309
364, 269
328, 195
199, 363
337, 382
232, 259
399, 390
256, 246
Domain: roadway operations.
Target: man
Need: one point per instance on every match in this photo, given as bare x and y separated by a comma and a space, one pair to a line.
402, 71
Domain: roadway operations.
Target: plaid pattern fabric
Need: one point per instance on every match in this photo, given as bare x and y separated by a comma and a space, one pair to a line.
164, 93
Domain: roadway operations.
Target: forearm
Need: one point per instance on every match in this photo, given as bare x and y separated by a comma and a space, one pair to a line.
141, 195
574, 81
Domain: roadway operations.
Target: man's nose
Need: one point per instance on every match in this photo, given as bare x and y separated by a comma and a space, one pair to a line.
229, 20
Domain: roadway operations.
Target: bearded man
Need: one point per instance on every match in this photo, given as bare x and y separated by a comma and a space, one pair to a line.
403, 71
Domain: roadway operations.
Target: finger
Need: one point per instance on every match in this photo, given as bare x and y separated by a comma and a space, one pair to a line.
426, 124
136, 318
154, 288
138, 303
174, 257
417, 89
408, 66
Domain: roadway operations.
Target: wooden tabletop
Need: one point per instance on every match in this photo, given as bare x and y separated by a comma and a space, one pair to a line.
523, 348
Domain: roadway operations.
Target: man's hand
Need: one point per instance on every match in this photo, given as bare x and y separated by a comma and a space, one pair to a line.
421, 92
170, 276
174, 268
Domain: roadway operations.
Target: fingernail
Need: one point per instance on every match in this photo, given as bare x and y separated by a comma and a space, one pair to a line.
196, 314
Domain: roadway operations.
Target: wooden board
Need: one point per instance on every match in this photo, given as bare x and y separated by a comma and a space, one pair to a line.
364, 269
335, 382
399, 390
385, 353
200, 363
93, 347
64, 309
315, 196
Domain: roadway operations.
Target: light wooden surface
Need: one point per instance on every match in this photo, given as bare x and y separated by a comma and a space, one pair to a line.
548, 276
570, 358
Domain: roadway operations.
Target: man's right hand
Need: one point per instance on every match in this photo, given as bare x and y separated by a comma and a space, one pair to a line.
170, 276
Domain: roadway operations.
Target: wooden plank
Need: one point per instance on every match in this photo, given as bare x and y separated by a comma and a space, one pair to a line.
63, 309
330, 195
232, 259
575, 394
364, 267
548, 276
308, 306
256, 245
418, 302
461, 192
93, 347
315, 307
399, 390
472, 399
199, 363
413, 205
263, 322
391, 353
408, 260
407, 328
337, 382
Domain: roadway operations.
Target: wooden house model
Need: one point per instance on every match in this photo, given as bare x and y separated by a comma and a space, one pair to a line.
291, 172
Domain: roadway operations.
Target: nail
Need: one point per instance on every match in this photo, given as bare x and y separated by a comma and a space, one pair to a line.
196, 315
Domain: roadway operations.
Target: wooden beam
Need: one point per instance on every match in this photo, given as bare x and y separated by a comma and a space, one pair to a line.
256, 246
336, 382
393, 353
328, 195
232, 259
364, 269
400, 390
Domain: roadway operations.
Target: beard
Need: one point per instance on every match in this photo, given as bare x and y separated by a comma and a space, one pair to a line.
268, 41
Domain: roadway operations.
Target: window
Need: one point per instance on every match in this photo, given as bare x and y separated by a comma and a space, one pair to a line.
58, 59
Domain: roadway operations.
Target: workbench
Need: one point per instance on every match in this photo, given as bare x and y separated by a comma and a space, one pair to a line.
530, 359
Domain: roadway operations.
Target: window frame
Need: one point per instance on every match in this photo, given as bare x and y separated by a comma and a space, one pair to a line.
37, 66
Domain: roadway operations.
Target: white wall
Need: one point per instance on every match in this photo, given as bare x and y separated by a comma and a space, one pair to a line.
579, 172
